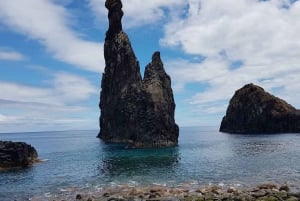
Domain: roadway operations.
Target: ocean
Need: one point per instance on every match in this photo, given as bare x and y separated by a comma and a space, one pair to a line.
78, 161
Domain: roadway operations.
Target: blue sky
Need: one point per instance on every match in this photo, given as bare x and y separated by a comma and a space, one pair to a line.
51, 56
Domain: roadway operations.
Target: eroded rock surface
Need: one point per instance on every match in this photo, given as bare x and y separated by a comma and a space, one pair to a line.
136, 111
16, 154
252, 110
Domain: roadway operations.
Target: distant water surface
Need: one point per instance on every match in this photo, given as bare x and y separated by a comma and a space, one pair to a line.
78, 160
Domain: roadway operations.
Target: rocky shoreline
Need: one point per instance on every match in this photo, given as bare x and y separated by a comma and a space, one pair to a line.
262, 192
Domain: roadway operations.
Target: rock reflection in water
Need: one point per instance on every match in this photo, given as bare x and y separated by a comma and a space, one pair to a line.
262, 147
118, 161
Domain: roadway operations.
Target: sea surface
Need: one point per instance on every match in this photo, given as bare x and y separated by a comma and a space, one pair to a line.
78, 161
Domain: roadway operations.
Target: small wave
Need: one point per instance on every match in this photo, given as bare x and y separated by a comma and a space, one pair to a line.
159, 184
98, 188
112, 184
221, 184
132, 183
63, 190
43, 160
47, 195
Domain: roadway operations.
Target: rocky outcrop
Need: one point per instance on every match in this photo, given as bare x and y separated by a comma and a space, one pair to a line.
115, 15
252, 110
136, 111
159, 120
16, 154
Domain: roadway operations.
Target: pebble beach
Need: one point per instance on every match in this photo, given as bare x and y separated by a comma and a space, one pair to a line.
262, 192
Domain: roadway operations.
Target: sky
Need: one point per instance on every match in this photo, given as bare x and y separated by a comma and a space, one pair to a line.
51, 56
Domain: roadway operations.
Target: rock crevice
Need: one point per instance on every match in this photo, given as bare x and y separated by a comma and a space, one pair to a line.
136, 111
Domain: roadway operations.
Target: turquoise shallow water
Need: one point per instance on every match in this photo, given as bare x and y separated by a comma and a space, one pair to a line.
78, 160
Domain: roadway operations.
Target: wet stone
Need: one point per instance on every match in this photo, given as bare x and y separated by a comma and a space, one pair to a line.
78, 197
267, 186
292, 199
268, 198
284, 188
231, 190
258, 194
106, 195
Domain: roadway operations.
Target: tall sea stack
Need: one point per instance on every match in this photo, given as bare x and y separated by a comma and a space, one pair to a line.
135, 111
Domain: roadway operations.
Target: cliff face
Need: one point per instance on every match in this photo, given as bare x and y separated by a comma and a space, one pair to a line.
16, 154
252, 110
134, 111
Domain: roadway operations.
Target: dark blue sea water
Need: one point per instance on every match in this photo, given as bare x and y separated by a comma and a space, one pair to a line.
77, 160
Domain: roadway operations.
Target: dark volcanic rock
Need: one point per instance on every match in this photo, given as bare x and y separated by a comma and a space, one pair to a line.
134, 111
115, 15
252, 110
16, 154
159, 120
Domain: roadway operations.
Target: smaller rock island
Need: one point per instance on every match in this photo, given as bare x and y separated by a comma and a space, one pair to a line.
16, 155
254, 111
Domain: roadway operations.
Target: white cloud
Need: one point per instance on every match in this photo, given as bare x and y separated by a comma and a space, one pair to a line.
48, 23
264, 36
66, 88
71, 88
3, 118
62, 105
11, 56
248, 30
185, 71
137, 12
35, 123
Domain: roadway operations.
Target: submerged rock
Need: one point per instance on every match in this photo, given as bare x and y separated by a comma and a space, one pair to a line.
252, 110
16, 154
136, 111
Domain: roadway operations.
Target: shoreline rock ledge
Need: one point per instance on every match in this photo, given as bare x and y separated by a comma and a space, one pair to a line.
16, 155
135, 111
254, 111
